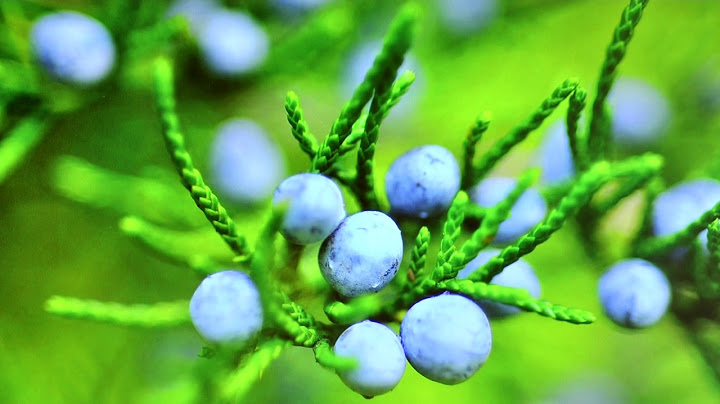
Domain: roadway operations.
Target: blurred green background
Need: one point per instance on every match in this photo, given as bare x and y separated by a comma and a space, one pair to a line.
52, 245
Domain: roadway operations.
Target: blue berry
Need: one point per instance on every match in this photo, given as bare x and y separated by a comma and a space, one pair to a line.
226, 309
634, 293
231, 43
73, 47
529, 210
446, 338
517, 275
315, 207
361, 60
422, 182
555, 157
246, 164
362, 255
640, 113
380, 357
677, 207
467, 16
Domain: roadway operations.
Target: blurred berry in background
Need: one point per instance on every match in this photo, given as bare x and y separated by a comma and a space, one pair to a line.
554, 156
634, 293
463, 17
73, 47
246, 164
640, 113
529, 210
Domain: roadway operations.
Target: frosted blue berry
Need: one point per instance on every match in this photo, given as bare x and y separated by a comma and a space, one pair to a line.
380, 357
73, 47
225, 309
467, 16
361, 60
315, 207
231, 43
529, 210
640, 113
446, 338
246, 164
362, 255
634, 293
555, 157
422, 182
517, 275
677, 207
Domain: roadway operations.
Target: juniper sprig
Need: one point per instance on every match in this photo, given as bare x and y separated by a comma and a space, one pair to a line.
235, 385
654, 246
298, 125
158, 315
396, 43
83, 182
599, 133
177, 246
707, 276
191, 178
482, 123
20, 141
579, 195
576, 138
516, 297
519, 133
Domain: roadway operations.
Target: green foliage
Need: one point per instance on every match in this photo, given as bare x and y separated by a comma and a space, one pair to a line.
298, 125
170, 314
482, 123
191, 178
599, 137
518, 134
384, 68
21, 140
287, 322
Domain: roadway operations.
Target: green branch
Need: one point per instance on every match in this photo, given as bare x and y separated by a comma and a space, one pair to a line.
516, 297
396, 43
578, 143
599, 135
517, 135
190, 177
158, 315
298, 125
655, 246
493, 218
579, 195
707, 277
235, 385
482, 123
21, 140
